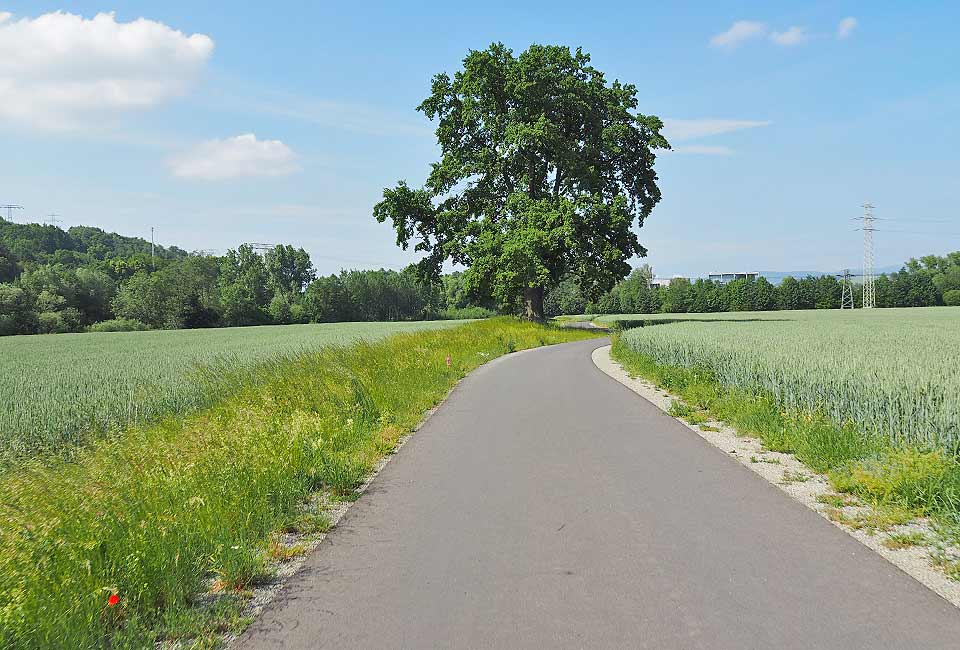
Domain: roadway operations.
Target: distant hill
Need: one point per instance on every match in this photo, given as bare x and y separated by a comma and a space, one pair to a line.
46, 244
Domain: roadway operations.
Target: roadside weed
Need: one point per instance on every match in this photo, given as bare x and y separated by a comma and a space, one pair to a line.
794, 477
897, 541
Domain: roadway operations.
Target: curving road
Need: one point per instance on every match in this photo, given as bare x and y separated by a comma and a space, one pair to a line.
545, 505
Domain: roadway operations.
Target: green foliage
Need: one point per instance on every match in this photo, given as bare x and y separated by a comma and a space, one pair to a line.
182, 295
16, 312
9, 269
466, 313
244, 290
545, 169
85, 291
919, 284
289, 269
565, 298
155, 512
58, 322
119, 325
371, 296
48, 244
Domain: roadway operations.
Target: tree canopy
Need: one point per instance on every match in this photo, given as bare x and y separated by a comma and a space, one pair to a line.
545, 169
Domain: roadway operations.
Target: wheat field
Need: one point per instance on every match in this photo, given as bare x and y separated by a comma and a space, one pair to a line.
57, 388
894, 372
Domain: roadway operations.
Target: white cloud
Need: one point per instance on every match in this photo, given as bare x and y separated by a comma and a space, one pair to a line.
64, 71
679, 130
683, 130
240, 156
792, 36
846, 27
740, 31
358, 118
704, 149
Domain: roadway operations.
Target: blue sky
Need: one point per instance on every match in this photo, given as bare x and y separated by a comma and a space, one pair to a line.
784, 118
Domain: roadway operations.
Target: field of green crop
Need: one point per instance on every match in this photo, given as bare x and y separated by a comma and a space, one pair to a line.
56, 388
893, 372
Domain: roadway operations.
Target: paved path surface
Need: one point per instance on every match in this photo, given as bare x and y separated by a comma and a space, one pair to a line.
547, 506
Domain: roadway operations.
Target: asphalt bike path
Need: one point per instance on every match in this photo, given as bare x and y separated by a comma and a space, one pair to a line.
545, 505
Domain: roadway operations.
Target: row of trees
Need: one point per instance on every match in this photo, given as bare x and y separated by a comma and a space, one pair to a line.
110, 282
104, 281
926, 282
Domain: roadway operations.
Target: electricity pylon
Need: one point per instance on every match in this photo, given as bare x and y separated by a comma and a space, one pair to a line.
10, 209
869, 290
846, 297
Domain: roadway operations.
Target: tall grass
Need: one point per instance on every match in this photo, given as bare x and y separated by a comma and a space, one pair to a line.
58, 389
153, 515
893, 372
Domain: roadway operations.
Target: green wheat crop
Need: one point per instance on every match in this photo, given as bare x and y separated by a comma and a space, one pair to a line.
55, 389
894, 372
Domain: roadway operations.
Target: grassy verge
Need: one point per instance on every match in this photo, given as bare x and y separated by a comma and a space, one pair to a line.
900, 481
112, 548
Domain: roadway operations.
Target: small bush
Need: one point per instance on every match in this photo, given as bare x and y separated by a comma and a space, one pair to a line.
624, 324
466, 313
952, 298
119, 325
58, 322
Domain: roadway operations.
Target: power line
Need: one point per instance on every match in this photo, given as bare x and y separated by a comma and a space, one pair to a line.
914, 220
916, 232
10, 209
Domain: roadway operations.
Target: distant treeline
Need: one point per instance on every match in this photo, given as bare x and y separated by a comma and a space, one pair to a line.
84, 278
81, 279
926, 282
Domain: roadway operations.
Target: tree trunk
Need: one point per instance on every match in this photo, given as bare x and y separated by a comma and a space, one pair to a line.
533, 303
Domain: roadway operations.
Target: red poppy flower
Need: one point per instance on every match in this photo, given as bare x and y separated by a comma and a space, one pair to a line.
113, 600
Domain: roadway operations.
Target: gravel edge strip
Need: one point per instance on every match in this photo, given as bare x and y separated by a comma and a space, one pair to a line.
778, 468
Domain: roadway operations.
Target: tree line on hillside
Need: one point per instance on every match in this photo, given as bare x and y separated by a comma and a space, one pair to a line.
927, 282
53, 280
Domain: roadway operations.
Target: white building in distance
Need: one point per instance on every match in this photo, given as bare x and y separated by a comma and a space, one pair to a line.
724, 278
664, 282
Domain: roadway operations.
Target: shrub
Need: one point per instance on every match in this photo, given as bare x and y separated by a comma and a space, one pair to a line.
952, 298
119, 325
57, 322
466, 313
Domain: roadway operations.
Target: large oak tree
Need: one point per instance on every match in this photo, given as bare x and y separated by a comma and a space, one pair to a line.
545, 169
